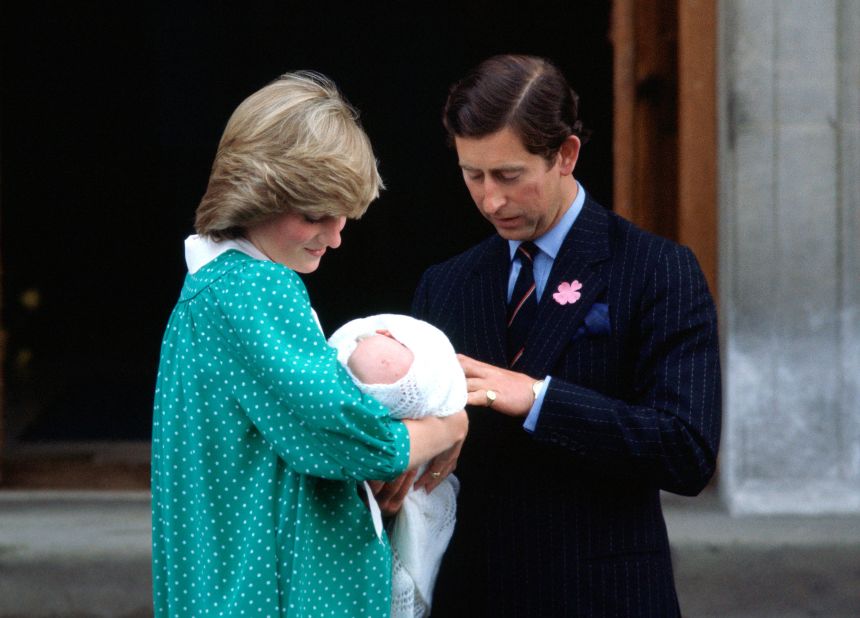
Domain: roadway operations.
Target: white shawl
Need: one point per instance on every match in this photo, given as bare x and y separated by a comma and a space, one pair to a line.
435, 384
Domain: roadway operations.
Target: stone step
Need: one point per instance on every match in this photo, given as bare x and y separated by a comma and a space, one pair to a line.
87, 554
75, 554
762, 566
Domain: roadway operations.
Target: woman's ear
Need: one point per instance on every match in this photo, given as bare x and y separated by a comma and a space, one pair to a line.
568, 154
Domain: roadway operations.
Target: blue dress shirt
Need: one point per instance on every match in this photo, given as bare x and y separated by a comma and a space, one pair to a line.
549, 245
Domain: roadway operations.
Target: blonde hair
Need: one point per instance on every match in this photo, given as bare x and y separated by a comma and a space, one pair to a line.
293, 146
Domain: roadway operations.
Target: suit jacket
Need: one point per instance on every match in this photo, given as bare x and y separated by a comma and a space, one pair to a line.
566, 521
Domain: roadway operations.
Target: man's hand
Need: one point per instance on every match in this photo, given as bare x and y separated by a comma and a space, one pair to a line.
514, 394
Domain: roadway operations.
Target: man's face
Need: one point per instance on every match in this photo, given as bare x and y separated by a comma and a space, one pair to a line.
520, 193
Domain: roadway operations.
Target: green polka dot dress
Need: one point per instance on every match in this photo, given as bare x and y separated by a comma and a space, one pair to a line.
259, 437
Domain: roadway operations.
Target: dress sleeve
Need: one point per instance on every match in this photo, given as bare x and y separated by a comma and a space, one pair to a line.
294, 390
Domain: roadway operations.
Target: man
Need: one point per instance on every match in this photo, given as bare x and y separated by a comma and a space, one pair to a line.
592, 365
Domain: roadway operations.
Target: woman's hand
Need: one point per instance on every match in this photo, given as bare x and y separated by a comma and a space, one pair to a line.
434, 440
439, 468
390, 495
432, 435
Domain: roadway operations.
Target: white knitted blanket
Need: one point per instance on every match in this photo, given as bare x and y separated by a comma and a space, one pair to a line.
435, 384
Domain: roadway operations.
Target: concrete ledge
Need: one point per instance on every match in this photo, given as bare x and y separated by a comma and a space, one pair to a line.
762, 566
76, 554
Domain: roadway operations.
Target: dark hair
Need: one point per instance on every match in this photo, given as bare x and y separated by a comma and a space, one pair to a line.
526, 93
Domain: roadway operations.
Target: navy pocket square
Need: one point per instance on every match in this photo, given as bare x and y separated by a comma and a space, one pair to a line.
596, 322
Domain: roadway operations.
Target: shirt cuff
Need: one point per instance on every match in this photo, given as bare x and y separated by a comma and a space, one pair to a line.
532, 419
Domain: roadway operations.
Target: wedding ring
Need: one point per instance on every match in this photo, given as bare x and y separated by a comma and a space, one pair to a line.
491, 398
435, 475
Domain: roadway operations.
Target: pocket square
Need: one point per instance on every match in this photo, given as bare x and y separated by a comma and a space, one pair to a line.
596, 322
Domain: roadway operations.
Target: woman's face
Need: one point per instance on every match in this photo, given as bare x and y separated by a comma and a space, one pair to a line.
297, 241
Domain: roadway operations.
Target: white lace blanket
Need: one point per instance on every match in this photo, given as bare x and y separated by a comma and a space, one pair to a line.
435, 384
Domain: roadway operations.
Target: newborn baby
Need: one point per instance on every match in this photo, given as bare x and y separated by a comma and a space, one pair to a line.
411, 368
379, 359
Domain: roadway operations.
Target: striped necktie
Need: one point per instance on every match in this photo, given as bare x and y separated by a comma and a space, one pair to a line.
523, 305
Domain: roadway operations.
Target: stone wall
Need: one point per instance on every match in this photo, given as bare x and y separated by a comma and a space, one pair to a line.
789, 155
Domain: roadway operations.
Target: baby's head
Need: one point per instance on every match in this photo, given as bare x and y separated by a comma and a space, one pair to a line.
407, 365
380, 359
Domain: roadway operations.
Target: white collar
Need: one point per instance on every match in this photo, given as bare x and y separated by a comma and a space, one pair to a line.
200, 250
550, 242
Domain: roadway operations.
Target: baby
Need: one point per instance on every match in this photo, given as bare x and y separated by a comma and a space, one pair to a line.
410, 367
379, 358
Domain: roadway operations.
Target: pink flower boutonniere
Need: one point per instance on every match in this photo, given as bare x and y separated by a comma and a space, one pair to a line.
568, 292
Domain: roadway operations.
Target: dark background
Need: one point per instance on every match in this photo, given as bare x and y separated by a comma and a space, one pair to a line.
110, 118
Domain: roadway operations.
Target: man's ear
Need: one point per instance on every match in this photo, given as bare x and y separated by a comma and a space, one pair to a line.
568, 155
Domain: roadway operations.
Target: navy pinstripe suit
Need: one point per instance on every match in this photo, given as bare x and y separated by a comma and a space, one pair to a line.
567, 521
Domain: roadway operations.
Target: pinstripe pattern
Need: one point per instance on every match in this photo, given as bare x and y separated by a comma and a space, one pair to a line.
567, 521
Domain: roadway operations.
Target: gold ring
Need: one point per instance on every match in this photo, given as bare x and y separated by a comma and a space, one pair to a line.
491, 398
435, 475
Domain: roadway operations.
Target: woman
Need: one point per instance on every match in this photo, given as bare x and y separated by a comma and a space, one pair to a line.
259, 435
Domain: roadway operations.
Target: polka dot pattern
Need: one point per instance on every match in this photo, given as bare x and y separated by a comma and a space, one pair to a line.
259, 437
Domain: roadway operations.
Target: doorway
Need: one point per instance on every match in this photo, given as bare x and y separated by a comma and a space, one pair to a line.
109, 124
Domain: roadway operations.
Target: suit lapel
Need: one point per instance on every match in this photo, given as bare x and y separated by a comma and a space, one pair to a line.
485, 305
582, 258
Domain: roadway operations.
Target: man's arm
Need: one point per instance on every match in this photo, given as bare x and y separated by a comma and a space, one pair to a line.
668, 433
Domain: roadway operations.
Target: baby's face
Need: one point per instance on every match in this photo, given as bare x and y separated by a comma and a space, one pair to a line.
380, 359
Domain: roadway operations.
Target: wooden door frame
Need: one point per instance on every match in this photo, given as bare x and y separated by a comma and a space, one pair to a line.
665, 121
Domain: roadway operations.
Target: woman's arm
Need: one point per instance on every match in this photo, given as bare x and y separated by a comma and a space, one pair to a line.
432, 435
290, 385
427, 440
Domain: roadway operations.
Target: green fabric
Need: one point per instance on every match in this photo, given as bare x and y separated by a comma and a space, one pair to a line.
259, 437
